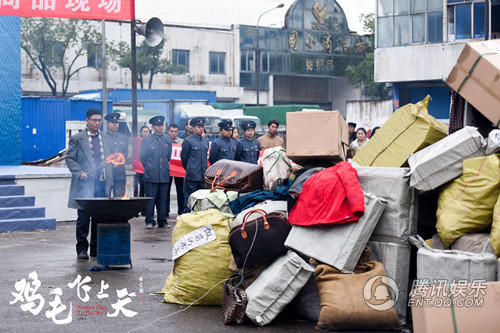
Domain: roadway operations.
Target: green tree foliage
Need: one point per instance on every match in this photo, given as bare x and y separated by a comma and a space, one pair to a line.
149, 61
362, 75
55, 45
368, 23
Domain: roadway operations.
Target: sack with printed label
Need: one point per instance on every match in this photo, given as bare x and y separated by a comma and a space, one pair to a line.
200, 259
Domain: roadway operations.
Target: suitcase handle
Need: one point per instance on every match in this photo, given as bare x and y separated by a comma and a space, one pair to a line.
219, 184
245, 219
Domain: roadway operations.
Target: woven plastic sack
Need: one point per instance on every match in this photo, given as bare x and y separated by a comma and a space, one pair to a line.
408, 130
204, 199
276, 287
495, 230
202, 267
466, 205
277, 167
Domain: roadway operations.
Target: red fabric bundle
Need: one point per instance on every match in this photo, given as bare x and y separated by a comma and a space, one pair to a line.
330, 196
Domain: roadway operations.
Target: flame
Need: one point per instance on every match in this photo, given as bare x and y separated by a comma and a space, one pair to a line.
125, 197
116, 159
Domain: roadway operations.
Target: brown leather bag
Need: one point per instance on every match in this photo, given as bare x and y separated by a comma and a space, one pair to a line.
234, 176
260, 239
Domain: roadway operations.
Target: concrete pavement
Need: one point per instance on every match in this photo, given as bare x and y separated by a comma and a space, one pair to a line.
51, 254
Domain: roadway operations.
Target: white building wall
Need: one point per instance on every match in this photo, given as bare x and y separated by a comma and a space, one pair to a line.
369, 114
342, 91
416, 63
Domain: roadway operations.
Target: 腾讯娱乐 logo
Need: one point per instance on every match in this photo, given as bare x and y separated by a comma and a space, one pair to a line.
377, 293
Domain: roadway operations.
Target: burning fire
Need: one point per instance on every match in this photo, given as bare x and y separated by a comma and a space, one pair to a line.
116, 159
125, 194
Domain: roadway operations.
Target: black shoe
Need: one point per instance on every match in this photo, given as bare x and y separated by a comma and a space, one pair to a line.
83, 255
164, 225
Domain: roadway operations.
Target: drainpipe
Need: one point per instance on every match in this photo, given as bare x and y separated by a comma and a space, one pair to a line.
486, 19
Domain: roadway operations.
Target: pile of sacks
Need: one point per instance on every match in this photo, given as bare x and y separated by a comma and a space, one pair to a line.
333, 242
297, 238
463, 171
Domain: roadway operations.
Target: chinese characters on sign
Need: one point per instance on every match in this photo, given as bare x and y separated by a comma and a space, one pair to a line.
43, 5
192, 240
75, 5
111, 5
27, 296
77, 9
293, 40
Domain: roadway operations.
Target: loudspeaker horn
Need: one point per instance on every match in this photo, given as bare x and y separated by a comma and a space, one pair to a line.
152, 30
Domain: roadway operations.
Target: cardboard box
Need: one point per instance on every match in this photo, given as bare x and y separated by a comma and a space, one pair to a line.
482, 87
437, 316
316, 135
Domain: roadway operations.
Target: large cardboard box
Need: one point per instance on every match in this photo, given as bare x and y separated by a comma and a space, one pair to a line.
316, 135
476, 77
434, 313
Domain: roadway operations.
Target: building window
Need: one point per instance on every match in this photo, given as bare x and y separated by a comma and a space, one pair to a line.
181, 57
264, 61
278, 63
217, 62
465, 19
54, 54
404, 22
94, 56
247, 61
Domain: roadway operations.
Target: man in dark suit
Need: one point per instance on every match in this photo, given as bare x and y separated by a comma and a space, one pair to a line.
248, 148
156, 151
194, 159
118, 143
224, 147
85, 159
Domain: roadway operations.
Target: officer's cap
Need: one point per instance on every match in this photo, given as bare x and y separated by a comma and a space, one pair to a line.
112, 117
91, 112
225, 125
352, 124
197, 121
248, 124
157, 121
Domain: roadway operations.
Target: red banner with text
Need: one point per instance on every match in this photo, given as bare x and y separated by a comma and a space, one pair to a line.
75, 9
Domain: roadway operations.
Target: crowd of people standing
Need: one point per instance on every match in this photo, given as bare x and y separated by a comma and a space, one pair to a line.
151, 161
359, 137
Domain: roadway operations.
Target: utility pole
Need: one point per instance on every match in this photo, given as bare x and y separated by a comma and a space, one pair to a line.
134, 76
104, 93
257, 51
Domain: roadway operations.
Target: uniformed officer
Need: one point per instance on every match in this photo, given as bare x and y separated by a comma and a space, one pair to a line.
224, 147
156, 150
194, 159
118, 143
248, 148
